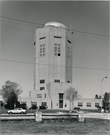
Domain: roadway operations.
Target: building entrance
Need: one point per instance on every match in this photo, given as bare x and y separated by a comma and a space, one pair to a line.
60, 100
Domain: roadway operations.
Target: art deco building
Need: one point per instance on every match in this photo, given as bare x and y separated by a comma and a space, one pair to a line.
53, 60
53, 69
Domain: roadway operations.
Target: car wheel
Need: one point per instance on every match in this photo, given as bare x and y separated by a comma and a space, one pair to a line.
21, 112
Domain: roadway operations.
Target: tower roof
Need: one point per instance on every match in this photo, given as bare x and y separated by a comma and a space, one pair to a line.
55, 24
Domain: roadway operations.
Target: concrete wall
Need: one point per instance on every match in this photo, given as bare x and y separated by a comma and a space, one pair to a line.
88, 102
51, 67
51, 97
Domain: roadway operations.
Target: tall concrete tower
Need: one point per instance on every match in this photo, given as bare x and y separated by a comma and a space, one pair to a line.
53, 56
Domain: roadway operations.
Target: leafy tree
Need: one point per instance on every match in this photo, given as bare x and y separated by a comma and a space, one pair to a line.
1, 103
96, 96
10, 92
71, 94
33, 106
23, 105
100, 96
105, 101
17, 104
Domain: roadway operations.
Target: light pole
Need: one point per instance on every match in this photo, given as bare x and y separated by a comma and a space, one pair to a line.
101, 90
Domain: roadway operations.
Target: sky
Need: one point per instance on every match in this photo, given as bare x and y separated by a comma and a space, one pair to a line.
90, 50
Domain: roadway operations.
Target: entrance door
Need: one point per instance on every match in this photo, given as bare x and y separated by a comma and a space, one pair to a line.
60, 100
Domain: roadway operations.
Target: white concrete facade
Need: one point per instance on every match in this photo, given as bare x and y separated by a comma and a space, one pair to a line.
53, 69
52, 55
51, 98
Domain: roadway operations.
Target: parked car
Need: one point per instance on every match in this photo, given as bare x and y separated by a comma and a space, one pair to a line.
16, 110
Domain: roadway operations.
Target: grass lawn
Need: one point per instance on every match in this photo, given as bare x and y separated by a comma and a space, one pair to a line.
61, 126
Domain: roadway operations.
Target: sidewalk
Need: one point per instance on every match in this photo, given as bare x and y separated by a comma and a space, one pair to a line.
97, 115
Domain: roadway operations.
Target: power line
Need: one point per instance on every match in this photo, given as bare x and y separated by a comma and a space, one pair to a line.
90, 33
51, 72
53, 65
52, 36
21, 23
40, 25
20, 20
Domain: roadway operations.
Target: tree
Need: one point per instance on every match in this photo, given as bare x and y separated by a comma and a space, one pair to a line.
1, 103
105, 101
23, 105
96, 96
71, 94
100, 96
10, 92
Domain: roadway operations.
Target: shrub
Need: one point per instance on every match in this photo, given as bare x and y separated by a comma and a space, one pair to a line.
42, 107
33, 107
1, 103
77, 108
99, 107
23, 105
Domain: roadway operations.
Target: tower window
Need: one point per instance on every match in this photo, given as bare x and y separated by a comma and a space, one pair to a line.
34, 103
42, 50
42, 81
55, 54
39, 95
34, 43
69, 41
96, 104
69, 51
42, 88
80, 104
88, 105
55, 44
42, 38
58, 54
56, 80
57, 37
44, 104
57, 49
